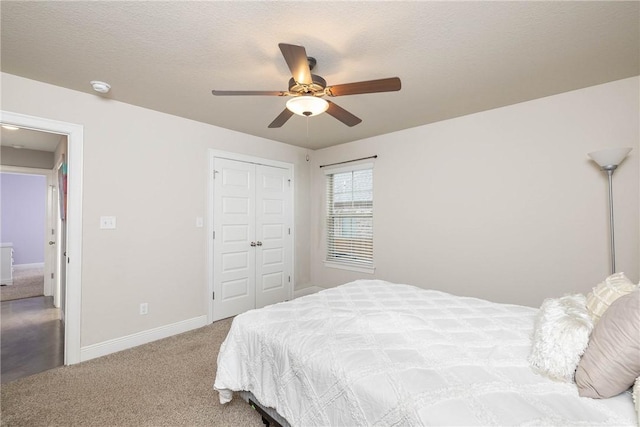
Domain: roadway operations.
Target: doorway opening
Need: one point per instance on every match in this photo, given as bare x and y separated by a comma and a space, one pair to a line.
32, 313
71, 233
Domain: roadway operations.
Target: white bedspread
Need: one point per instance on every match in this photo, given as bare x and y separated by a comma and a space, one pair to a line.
375, 353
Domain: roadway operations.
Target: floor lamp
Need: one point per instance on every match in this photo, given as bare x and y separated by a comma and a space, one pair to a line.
608, 160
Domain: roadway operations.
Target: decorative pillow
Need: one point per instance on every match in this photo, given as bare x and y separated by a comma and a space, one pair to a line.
560, 336
603, 295
611, 362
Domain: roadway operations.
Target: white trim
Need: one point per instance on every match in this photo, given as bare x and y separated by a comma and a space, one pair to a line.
213, 154
27, 266
350, 267
307, 291
248, 159
210, 231
123, 343
75, 159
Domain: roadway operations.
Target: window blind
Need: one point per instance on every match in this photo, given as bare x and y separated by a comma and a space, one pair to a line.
350, 215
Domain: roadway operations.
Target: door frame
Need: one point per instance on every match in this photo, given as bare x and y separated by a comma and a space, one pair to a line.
75, 143
213, 154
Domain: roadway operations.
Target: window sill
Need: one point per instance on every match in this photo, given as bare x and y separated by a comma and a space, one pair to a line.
350, 267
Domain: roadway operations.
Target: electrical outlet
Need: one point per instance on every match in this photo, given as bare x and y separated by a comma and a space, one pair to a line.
144, 308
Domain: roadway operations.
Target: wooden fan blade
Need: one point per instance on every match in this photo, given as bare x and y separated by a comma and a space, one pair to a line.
343, 115
248, 92
296, 57
372, 86
281, 119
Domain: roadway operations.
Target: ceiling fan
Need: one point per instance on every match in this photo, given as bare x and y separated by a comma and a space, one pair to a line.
309, 89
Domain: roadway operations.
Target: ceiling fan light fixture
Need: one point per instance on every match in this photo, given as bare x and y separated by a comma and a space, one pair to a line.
307, 105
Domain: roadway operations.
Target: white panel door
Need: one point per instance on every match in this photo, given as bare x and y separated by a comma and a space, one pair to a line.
253, 245
234, 224
273, 234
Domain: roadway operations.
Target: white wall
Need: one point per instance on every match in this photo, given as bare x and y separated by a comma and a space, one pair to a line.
504, 204
148, 169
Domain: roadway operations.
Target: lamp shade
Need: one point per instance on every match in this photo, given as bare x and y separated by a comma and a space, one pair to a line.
610, 156
307, 105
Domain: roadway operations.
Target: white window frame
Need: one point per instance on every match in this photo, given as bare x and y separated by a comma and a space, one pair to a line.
362, 268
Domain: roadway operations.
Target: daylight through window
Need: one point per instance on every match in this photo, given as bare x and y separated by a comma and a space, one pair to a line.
350, 216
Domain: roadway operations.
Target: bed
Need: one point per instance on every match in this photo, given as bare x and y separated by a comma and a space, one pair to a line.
375, 353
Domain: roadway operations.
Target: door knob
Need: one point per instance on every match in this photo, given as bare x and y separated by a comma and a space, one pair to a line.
259, 243
253, 243
51, 242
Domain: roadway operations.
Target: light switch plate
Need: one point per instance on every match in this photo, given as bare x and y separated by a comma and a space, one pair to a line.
107, 222
199, 222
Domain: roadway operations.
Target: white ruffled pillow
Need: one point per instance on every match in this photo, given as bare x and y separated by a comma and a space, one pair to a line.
560, 337
606, 292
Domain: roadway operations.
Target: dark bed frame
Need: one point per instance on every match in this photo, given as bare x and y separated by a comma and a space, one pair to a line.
267, 419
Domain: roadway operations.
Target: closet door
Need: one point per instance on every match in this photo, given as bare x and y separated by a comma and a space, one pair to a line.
253, 244
234, 279
273, 235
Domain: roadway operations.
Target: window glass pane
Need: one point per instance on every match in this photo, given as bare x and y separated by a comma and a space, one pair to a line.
350, 217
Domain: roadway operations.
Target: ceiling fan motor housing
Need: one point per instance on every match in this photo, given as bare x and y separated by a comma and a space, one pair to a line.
316, 88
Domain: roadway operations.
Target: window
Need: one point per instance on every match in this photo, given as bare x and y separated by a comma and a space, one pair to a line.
350, 217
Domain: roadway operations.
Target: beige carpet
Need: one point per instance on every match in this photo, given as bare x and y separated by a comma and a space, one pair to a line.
28, 282
164, 383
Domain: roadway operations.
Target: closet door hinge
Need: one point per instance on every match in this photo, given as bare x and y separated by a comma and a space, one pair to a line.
213, 296
214, 174
289, 231
214, 235
289, 279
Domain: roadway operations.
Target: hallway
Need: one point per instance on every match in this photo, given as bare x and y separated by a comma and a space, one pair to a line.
32, 337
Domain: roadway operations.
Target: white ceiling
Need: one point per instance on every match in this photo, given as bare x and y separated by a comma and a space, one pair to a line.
454, 58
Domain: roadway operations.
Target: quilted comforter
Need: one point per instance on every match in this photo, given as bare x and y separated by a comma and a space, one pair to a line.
375, 353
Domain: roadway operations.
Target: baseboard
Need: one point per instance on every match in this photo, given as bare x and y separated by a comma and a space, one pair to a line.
118, 344
27, 266
307, 291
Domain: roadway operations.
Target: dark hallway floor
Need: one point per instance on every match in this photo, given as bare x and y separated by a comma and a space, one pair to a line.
32, 337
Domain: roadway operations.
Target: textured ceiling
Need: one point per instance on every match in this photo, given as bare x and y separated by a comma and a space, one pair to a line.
454, 58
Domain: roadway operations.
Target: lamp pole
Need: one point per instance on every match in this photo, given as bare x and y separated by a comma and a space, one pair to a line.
609, 169
608, 160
